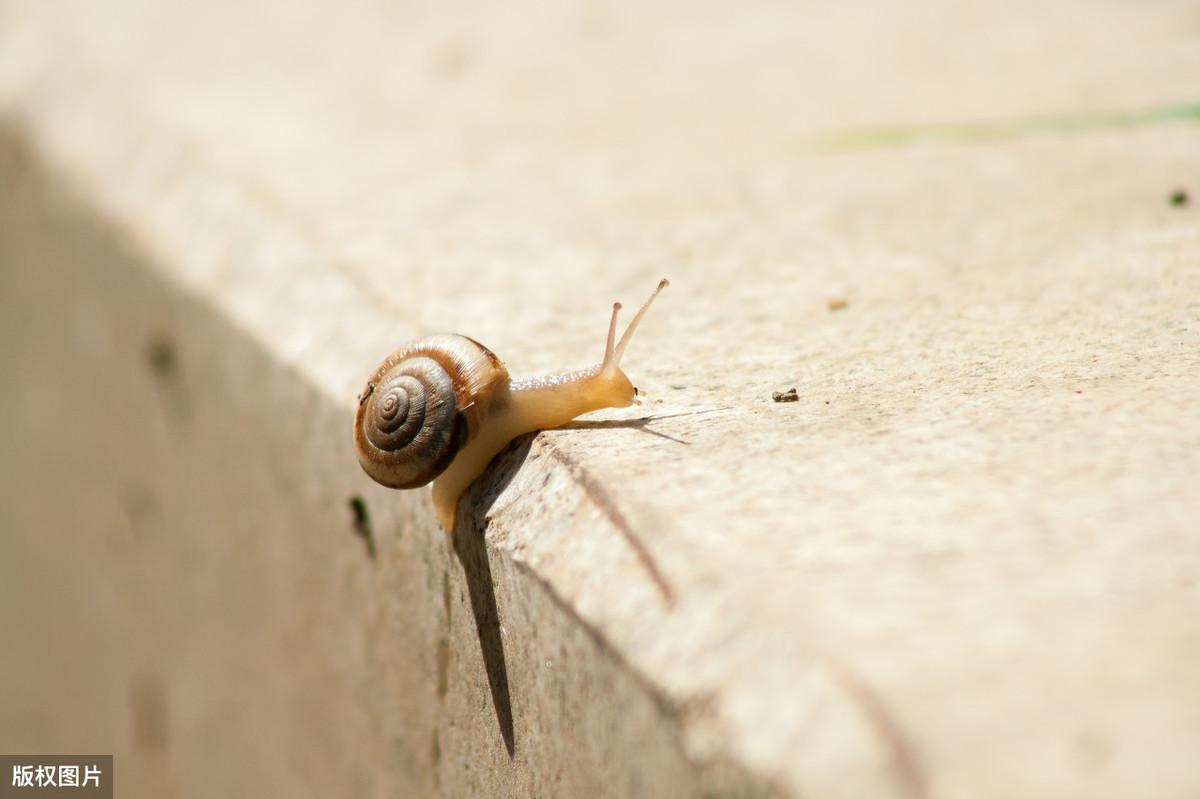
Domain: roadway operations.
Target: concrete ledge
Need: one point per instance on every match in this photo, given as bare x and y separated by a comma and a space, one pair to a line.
962, 563
201, 603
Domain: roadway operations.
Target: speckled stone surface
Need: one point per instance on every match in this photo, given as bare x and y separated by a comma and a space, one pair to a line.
964, 562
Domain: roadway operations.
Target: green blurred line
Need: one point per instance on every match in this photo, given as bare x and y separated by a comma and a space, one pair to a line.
985, 131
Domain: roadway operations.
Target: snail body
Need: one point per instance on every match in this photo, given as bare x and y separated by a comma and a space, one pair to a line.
441, 408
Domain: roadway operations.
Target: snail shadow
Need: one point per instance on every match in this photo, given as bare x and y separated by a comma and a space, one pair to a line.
471, 548
631, 424
640, 423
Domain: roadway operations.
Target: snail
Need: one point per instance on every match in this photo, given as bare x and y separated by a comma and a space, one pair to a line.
440, 409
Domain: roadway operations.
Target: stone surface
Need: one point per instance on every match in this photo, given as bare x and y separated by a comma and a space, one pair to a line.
963, 562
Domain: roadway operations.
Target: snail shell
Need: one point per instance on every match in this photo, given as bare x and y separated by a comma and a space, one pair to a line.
421, 405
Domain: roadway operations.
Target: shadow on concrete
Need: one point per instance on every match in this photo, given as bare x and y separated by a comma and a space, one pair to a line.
471, 548
636, 424
639, 423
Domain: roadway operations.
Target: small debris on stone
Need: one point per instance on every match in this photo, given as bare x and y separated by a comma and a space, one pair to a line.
836, 303
1179, 198
785, 396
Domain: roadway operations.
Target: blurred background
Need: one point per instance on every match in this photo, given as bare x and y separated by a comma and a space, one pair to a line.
963, 562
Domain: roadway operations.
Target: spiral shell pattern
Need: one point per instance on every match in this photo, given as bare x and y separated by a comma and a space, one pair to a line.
410, 421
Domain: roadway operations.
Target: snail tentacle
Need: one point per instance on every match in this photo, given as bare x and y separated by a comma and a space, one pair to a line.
444, 406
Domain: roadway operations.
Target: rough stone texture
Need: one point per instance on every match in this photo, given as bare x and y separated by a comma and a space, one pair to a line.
964, 563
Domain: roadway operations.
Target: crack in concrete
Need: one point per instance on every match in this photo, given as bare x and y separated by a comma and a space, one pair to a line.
608, 507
